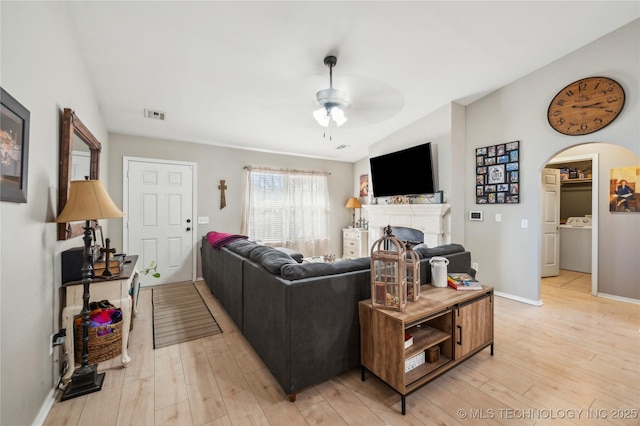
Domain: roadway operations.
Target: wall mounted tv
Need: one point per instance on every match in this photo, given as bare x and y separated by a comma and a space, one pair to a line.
405, 172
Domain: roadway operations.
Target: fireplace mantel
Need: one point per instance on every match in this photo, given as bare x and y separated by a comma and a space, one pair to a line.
427, 218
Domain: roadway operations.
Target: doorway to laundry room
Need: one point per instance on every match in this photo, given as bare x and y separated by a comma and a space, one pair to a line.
575, 252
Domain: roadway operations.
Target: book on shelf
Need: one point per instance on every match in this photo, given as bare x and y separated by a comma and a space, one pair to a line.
113, 261
414, 361
408, 340
115, 270
462, 281
115, 264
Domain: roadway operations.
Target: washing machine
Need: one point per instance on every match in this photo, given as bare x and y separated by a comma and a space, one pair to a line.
575, 244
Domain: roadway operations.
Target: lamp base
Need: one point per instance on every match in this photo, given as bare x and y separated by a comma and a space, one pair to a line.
84, 380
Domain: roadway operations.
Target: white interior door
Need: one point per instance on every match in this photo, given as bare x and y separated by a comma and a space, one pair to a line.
550, 223
160, 218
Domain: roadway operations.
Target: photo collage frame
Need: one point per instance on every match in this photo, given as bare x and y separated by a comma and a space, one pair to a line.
498, 174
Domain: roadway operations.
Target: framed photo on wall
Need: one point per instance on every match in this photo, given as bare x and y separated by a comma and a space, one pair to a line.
498, 174
624, 189
364, 185
14, 152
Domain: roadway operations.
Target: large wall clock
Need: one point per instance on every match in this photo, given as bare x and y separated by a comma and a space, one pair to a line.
586, 106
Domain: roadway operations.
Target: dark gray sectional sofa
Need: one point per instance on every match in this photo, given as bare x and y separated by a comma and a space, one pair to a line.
300, 318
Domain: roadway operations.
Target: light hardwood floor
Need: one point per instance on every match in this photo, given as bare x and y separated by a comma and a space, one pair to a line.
567, 362
570, 280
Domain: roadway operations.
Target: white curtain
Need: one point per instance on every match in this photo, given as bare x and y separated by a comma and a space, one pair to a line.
287, 208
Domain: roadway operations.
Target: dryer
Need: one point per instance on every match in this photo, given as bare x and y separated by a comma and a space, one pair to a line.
575, 244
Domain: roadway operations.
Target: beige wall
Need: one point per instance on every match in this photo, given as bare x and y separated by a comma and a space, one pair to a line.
43, 70
215, 163
504, 250
508, 255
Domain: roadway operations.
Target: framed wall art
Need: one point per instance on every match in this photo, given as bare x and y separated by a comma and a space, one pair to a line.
14, 152
498, 174
364, 185
624, 189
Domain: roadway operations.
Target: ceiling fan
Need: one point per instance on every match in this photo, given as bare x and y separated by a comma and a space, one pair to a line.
363, 100
333, 102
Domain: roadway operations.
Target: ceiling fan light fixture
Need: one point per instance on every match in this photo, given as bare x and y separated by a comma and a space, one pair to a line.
334, 102
322, 117
338, 116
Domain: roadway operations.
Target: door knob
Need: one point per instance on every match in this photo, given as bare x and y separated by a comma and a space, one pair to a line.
188, 229
188, 220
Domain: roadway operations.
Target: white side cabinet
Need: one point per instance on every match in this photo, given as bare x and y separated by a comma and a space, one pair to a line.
116, 291
355, 243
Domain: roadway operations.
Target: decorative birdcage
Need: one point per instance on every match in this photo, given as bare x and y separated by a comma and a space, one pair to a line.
413, 275
388, 273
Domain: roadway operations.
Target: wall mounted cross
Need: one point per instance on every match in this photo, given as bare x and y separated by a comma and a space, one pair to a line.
223, 199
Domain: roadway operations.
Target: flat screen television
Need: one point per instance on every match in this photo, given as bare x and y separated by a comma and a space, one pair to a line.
405, 172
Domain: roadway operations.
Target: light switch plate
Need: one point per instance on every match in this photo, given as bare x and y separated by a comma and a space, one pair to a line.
203, 219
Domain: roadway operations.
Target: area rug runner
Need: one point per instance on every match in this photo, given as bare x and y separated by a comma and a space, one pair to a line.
180, 315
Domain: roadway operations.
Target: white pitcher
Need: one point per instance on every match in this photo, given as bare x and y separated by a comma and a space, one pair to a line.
439, 271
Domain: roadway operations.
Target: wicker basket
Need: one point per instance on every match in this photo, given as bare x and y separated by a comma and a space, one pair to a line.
101, 347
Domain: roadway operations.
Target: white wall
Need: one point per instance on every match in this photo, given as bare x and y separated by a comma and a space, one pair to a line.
508, 255
216, 163
41, 67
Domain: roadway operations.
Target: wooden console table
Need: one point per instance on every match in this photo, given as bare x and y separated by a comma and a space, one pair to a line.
114, 290
447, 327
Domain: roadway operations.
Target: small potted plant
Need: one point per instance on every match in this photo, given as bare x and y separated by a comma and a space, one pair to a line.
153, 267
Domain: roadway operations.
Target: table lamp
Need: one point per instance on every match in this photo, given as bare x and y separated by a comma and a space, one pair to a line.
354, 204
88, 200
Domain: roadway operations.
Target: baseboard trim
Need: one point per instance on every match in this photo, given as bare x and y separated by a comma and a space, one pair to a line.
46, 407
619, 298
519, 299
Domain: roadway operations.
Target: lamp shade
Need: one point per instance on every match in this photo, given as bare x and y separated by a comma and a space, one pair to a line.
88, 200
353, 203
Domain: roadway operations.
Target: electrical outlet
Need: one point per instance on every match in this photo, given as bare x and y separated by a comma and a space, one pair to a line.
498, 217
474, 265
524, 223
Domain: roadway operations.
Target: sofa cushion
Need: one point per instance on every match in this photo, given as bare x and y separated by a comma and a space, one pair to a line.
317, 269
294, 254
426, 252
242, 247
271, 259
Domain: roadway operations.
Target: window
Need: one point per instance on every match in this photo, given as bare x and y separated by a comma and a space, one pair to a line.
287, 208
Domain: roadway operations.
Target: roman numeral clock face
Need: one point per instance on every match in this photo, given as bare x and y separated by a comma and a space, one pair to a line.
586, 106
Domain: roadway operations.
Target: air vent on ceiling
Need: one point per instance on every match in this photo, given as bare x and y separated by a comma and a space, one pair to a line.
158, 115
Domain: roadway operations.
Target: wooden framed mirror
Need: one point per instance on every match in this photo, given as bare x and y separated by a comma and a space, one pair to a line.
79, 157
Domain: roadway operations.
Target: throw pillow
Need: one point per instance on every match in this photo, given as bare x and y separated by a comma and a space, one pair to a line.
242, 247
425, 252
271, 259
294, 254
318, 269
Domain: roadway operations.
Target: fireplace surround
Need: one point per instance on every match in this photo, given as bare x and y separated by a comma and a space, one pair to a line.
427, 218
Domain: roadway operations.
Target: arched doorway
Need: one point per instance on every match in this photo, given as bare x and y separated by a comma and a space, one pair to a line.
575, 228
615, 235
